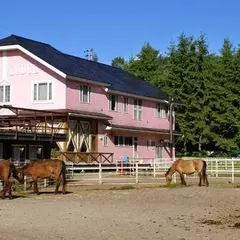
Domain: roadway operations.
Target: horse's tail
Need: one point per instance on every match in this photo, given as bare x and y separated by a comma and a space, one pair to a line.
14, 173
204, 172
64, 172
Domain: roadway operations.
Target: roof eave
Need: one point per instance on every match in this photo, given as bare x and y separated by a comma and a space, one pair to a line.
137, 96
87, 81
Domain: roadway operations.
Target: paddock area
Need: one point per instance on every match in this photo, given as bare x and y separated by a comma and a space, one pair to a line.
125, 212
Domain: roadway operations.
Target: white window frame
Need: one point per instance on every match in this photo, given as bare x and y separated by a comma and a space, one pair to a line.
105, 140
110, 102
138, 108
125, 104
161, 110
43, 82
5, 84
81, 96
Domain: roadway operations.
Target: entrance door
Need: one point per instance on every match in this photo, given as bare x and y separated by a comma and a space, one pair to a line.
158, 152
135, 147
19, 153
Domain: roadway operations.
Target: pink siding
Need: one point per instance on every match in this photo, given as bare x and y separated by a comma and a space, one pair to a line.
100, 103
143, 150
1, 67
22, 81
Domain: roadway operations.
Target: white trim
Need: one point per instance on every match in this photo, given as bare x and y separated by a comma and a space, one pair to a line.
42, 101
110, 102
18, 47
137, 96
81, 95
87, 81
138, 108
6, 83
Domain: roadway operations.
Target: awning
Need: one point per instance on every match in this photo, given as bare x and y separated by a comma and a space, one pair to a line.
140, 129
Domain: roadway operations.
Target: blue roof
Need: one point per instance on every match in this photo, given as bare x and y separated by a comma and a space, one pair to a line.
119, 79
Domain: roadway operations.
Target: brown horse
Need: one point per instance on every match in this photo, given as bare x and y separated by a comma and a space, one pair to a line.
46, 169
188, 167
6, 170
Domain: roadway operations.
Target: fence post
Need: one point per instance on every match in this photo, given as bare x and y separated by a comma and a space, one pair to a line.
233, 170
136, 166
45, 183
25, 183
216, 167
154, 167
100, 172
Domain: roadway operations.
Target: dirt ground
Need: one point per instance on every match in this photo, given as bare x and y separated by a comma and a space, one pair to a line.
108, 212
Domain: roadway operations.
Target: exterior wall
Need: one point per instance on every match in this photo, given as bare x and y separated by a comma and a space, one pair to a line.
100, 103
21, 72
144, 149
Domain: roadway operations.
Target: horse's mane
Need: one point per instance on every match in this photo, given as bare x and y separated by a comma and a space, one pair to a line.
168, 171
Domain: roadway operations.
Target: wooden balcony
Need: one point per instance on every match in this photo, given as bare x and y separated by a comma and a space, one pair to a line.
29, 124
89, 157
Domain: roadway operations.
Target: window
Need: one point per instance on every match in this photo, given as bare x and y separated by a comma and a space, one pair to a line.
42, 91
128, 141
5, 92
85, 93
125, 105
161, 110
105, 141
137, 109
123, 141
113, 102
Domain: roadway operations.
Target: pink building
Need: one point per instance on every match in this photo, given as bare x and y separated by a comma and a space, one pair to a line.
107, 109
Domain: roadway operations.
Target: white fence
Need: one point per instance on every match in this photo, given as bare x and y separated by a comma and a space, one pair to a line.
145, 171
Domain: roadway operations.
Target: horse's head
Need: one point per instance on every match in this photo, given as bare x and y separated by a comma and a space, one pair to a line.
168, 176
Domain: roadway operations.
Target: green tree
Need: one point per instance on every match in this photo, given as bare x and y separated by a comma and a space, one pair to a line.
119, 62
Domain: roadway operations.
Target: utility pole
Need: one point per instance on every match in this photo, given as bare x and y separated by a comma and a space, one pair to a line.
171, 104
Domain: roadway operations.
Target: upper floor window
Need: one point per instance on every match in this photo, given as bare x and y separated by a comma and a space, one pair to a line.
137, 109
113, 102
85, 93
161, 110
5, 92
42, 91
125, 105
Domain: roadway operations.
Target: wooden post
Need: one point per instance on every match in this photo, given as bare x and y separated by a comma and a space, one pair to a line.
232, 170
216, 167
154, 167
100, 173
25, 183
45, 183
100, 170
136, 166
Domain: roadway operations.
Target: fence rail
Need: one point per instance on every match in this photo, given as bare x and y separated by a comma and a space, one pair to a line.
137, 171
140, 170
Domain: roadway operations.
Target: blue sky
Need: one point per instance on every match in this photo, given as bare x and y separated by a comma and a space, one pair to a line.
119, 28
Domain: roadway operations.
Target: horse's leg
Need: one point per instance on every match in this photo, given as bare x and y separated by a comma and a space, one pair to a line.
182, 179
206, 180
58, 180
200, 179
35, 186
